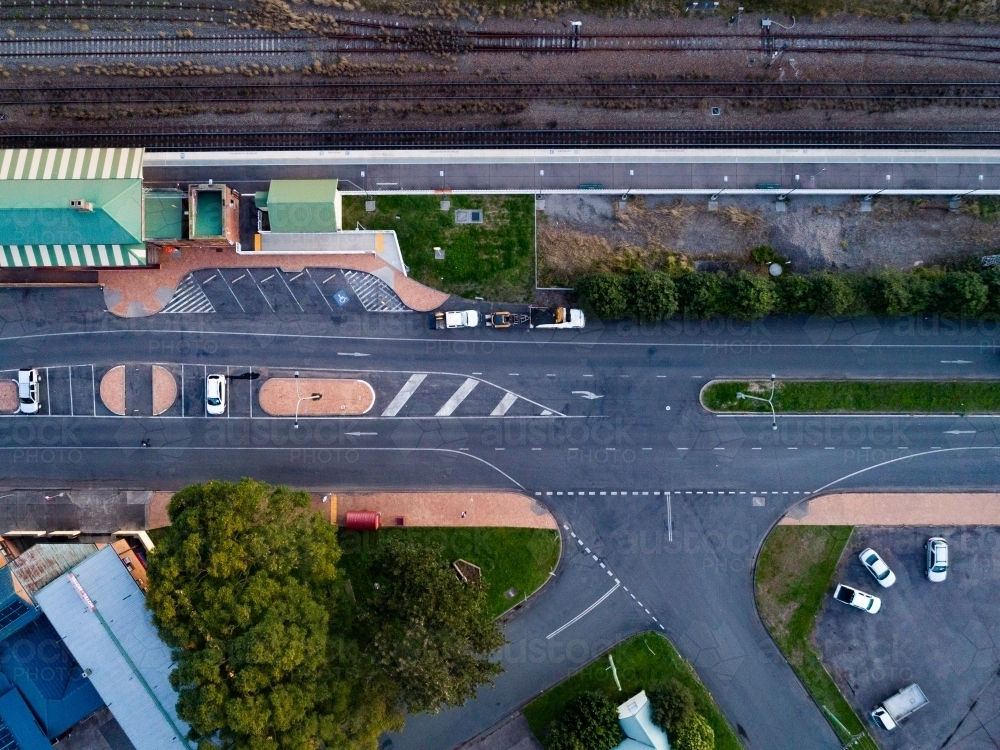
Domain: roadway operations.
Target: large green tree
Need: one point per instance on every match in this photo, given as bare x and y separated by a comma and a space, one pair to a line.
652, 295
605, 293
699, 294
749, 295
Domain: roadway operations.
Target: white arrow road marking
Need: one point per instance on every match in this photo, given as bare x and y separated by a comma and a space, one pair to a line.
457, 397
956, 362
960, 432
583, 614
400, 399
359, 434
352, 354
505, 403
587, 395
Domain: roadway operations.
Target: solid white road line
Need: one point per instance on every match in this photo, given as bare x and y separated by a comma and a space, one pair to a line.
583, 614
505, 403
457, 397
399, 401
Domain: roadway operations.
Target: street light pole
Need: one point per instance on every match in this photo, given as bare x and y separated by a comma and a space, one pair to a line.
769, 401
299, 399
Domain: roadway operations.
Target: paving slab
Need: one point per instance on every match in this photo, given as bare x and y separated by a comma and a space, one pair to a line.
897, 509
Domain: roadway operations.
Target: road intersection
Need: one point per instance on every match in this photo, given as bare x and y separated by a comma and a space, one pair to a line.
656, 499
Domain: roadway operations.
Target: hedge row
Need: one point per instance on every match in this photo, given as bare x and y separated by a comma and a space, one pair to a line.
653, 295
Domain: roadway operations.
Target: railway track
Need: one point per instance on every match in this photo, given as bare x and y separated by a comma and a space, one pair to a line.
195, 92
207, 141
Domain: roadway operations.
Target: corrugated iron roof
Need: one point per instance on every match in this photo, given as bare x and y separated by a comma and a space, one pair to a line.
71, 163
32, 256
302, 206
45, 562
109, 631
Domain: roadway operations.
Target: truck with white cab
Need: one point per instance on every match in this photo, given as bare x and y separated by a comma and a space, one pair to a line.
557, 317
455, 319
897, 707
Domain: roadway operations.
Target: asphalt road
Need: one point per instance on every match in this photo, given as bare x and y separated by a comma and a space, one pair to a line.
603, 465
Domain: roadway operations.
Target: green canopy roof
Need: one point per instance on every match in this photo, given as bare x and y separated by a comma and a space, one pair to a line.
302, 206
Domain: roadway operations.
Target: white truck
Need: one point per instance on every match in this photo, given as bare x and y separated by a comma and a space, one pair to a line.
896, 708
455, 319
556, 317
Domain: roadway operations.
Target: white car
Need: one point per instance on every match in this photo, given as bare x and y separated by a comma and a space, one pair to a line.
27, 391
857, 599
215, 395
937, 559
877, 567
455, 319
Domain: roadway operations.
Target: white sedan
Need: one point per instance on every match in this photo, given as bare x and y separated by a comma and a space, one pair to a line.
877, 567
215, 395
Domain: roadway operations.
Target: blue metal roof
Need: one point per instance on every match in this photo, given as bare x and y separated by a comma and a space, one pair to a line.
15, 610
18, 730
100, 614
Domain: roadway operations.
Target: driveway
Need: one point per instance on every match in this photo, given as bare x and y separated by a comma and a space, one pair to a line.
945, 637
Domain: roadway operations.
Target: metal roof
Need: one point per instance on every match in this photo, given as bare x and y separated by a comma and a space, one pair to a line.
18, 729
31, 256
302, 206
100, 614
71, 163
44, 562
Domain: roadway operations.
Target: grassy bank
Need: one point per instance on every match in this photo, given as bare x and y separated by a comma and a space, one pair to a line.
793, 576
840, 396
642, 662
494, 260
509, 558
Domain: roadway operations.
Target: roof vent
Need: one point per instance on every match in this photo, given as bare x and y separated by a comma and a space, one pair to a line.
81, 205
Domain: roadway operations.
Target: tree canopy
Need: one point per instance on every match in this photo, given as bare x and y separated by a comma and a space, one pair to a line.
588, 722
270, 651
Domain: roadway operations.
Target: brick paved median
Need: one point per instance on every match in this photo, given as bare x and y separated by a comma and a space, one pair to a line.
278, 397
8, 397
449, 508
897, 509
113, 390
164, 389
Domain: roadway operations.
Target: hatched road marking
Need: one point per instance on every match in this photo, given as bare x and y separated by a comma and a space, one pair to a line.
400, 399
457, 397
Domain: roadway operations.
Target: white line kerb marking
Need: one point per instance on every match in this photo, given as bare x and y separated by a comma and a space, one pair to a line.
583, 614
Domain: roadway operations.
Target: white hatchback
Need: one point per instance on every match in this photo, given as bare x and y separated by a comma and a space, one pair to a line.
937, 559
28, 399
215, 395
877, 567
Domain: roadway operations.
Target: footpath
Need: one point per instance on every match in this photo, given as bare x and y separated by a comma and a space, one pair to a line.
897, 509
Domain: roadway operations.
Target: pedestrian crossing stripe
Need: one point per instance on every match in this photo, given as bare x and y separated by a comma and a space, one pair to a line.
71, 163
189, 297
45, 256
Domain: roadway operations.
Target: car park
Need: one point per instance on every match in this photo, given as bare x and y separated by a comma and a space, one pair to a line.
936, 557
857, 598
29, 401
875, 565
215, 395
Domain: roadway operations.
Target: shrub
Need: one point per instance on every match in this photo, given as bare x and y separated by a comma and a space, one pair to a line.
672, 704
605, 293
699, 295
652, 295
694, 734
991, 277
833, 293
749, 296
588, 722
961, 293
764, 255
887, 293
794, 294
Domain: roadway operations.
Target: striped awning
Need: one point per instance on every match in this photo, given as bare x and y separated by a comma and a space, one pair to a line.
71, 163
33, 256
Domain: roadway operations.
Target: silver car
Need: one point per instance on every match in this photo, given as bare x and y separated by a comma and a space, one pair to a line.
937, 559
877, 567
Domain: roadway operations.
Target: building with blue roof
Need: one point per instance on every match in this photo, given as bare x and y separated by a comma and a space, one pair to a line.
16, 608
18, 729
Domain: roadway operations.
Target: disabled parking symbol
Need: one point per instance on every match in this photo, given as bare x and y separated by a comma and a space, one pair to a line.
341, 298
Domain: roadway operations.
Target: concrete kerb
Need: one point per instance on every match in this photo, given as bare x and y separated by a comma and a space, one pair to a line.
837, 414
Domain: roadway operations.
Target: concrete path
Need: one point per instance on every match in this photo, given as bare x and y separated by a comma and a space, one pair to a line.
897, 509
450, 509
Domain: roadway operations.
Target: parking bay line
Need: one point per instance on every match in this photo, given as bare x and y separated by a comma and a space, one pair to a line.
400, 399
319, 289
457, 397
231, 289
48, 395
266, 300
281, 275
583, 614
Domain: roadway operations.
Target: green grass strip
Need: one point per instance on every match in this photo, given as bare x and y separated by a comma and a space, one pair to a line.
509, 558
642, 661
857, 396
793, 575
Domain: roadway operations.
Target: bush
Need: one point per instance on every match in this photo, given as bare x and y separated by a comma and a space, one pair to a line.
672, 705
605, 293
764, 255
961, 293
749, 296
887, 293
833, 293
794, 294
589, 722
694, 734
699, 295
991, 277
652, 295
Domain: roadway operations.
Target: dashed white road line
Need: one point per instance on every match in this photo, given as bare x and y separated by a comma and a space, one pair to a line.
400, 399
457, 397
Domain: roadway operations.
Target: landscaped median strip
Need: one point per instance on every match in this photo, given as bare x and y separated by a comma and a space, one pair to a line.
854, 396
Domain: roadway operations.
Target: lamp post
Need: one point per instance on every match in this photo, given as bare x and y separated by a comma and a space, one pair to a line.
769, 401
299, 399
812, 177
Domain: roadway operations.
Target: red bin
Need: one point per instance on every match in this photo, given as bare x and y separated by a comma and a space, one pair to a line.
363, 520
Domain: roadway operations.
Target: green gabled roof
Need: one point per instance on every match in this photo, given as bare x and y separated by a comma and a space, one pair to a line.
38, 212
302, 206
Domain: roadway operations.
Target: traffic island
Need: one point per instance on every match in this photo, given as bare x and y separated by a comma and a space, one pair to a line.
113, 390
164, 389
8, 397
315, 397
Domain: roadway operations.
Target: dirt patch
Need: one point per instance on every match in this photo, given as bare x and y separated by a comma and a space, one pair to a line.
449, 509
113, 390
164, 390
8, 397
279, 396
816, 233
